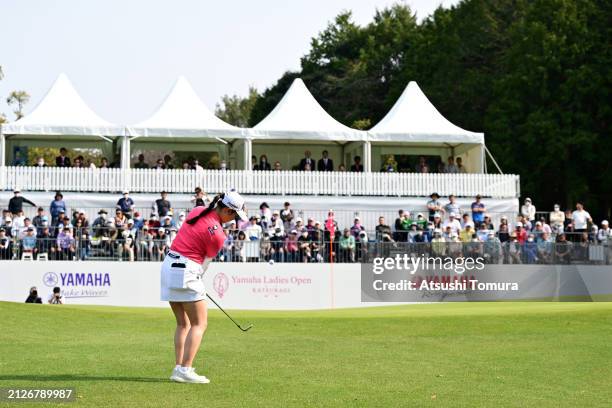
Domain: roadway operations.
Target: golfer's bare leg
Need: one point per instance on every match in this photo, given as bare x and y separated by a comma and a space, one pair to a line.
198, 318
182, 328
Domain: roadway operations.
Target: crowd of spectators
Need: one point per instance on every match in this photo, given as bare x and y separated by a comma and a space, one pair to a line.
325, 163
308, 163
442, 229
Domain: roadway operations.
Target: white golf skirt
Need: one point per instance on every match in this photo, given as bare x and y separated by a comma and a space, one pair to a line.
181, 279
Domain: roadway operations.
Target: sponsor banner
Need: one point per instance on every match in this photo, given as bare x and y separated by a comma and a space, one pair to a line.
443, 282
257, 286
263, 286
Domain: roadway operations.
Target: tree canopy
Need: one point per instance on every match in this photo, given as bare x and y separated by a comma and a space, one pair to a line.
533, 75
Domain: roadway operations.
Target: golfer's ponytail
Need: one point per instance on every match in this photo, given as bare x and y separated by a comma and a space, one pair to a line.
217, 201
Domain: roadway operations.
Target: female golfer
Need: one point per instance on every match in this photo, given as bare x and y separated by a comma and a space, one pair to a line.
198, 241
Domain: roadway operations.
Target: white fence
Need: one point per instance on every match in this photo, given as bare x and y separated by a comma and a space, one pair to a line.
258, 182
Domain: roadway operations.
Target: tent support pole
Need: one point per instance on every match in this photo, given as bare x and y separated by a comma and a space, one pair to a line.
367, 156
2, 160
247, 153
493, 159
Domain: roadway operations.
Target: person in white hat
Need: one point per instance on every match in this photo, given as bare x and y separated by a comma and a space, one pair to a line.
197, 243
528, 210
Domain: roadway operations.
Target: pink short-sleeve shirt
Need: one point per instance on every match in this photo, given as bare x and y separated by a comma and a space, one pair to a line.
202, 240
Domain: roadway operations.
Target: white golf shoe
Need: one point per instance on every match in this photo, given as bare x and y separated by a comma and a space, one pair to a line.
174, 374
188, 375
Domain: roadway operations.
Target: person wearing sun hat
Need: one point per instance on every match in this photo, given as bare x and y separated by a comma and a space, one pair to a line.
196, 244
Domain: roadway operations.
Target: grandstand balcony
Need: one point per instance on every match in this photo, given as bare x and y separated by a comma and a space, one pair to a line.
334, 183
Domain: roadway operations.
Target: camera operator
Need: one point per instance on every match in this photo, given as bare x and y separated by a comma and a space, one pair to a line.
56, 298
33, 296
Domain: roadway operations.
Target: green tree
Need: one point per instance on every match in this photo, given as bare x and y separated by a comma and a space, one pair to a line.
20, 98
236, 110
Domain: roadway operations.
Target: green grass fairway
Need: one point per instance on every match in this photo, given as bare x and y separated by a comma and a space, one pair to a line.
455, 355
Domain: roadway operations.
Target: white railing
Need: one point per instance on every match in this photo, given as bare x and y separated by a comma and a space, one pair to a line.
258, 182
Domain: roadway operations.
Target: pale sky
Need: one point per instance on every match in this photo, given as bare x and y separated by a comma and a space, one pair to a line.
123, 56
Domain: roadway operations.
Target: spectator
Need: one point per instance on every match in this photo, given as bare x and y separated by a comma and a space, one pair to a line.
197, 167
292, 246
453, 223
307, 160
466, 233
63, 160
159, 164
604, 235
304, 251
452, 206
557, 219
161, 206
40, 162
356, 228
438, 243
56, 206
460, 167
503, 233
390, 165
223, 165
383, 231
521, 233
27, 224
478, 211
264, 164
357, 166
544, 248
528, 210
286, 215
580, 221
563, 249
66, 244
104, 163
199, 198
140, 164
253, 231
15, 204
33, 296
450, 167
434, 206
266, 213
18, 224
277, 166
6, 245
45, 243
28, 242
530, 250
422, 166
126, 204
40, 218
492, 248
56, 297
161, 244
347, 246
254, 165
325, 163
168, 162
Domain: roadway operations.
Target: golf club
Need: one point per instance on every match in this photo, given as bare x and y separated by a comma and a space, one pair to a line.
230, 317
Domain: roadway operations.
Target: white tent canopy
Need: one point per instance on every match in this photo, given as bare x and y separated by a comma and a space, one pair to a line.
62, 112
298, 115
183, 114
413, 118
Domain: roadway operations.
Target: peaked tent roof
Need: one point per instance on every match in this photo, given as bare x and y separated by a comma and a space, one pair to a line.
298, 115
183, 114
413, 118
63, 112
